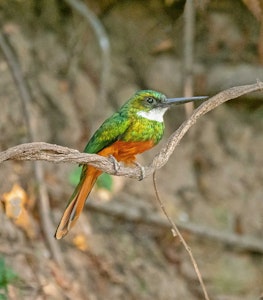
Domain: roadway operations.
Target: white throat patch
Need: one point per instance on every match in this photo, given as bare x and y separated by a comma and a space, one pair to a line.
155, 114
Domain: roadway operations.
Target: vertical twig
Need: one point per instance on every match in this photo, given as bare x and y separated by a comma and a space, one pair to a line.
188, 59
26, 99
176, 232
102, 38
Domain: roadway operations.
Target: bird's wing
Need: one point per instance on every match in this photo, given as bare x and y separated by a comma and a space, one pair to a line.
109, 132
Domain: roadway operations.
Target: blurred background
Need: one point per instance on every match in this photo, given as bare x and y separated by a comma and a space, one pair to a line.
80, 61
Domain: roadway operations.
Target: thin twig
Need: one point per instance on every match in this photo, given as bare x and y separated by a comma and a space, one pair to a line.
103, 41
26, 100
176, 232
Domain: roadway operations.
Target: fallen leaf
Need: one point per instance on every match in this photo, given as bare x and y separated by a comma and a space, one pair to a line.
15, 203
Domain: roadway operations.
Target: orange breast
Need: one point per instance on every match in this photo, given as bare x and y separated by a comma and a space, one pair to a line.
126, 151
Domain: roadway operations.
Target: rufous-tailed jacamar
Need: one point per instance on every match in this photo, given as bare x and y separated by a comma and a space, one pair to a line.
135, 128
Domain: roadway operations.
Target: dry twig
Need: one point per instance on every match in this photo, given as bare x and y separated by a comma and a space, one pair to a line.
102, 38
176, 232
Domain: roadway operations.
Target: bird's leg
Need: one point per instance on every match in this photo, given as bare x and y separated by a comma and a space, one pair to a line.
116, 164
142, 176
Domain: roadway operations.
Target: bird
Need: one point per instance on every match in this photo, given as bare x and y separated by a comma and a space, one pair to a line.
136, 127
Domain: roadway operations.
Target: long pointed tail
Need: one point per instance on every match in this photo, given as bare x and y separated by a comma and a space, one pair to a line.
77, 201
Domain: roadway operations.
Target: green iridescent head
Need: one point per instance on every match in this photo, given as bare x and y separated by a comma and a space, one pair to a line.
152, 105
146, 100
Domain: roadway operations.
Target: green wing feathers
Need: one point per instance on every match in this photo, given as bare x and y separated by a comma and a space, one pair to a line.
109, 132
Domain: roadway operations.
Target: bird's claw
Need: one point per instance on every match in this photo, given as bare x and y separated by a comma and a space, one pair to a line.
116, 164
142, 176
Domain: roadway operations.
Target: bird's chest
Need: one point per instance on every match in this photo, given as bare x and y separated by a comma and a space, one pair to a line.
139, 137
142, 130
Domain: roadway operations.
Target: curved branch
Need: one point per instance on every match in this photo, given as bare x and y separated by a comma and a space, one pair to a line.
162, 157
103, 41
57, 154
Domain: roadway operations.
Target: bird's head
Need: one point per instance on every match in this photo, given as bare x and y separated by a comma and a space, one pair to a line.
152, 105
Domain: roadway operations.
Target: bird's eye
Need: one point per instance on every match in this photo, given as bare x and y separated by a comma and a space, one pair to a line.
150, 100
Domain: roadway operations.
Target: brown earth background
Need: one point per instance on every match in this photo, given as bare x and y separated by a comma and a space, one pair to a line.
213, 179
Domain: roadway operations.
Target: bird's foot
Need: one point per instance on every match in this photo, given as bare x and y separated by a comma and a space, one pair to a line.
116, 164
142, 176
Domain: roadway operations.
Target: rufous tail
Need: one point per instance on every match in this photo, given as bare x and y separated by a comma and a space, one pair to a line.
76, 203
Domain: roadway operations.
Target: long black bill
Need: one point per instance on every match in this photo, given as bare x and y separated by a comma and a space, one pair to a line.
182, 100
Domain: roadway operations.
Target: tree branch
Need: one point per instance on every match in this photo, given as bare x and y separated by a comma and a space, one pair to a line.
103, 41
162, 157
136, 215
59, 154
